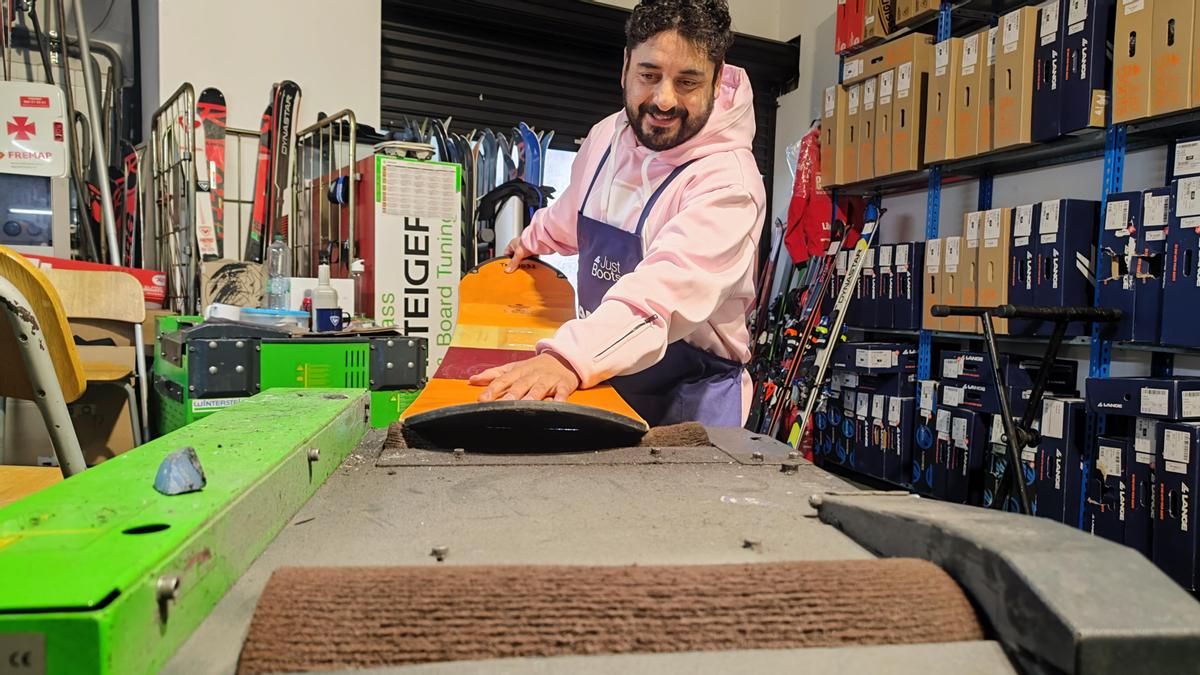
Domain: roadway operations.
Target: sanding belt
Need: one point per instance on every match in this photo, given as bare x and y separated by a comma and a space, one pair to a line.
330, 618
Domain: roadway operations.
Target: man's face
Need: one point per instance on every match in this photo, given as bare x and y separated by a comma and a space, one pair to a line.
669, 90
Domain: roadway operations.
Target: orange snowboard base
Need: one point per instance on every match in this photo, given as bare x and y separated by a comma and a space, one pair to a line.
501, 317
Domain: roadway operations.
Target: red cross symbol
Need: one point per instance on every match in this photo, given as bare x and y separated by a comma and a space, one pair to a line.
21, 128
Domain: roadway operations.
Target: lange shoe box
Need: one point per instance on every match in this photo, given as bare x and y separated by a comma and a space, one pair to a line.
885, 293
1175, 539
992, 278
1059, 460
1164, 398
923, 476
1015, 78
985, 398
1087, 46
873, 461
1106, 489
1066, 232
964, 471
1116, 255
939, 129
1022, 265
1180, 292
1132, 60
1139, 492
1017, 371
971, 238
1150, 263
1047, 66
898, 439
1171, 56
908, 261
931, 284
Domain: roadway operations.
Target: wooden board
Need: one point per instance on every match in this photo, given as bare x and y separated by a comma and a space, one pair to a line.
501, 317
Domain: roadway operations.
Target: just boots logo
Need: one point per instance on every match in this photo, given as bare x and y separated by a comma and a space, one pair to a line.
606, 270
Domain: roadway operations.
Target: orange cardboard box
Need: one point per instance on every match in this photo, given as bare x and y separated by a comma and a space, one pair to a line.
972, 238
988, 112
954, 273
848, 157
866, 127
939, 127
1014, 78
970, 95
1171, 55
931, 285
1132, 60
908, 109
883, 123
833, 122
993, 262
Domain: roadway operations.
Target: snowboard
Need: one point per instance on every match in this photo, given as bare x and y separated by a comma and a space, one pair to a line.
501, 317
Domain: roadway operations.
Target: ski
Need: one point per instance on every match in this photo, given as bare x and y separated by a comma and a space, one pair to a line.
258, 213
837, 317
283, 118
533, 148
129, 248
212, 112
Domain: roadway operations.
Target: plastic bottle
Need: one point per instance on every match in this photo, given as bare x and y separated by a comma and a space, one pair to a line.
279, 272
325, 303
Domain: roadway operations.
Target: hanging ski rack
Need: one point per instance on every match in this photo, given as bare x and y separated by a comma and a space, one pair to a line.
324, 176
173, 185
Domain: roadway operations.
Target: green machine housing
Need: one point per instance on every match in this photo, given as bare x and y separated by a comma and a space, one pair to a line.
201, 367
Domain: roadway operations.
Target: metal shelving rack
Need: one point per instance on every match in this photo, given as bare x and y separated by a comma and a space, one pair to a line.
1113, 143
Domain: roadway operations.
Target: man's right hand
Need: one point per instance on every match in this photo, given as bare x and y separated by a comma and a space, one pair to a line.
517, 251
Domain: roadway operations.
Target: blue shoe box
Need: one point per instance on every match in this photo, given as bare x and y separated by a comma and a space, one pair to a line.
1174, 545
1106, 489
1165, 398
1117, 249
1059, 460
1023, 266
899, 436
1066, 243
1047, 78
1181, 283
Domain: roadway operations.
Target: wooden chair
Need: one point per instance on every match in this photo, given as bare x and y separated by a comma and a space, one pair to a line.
109, 305
38, 355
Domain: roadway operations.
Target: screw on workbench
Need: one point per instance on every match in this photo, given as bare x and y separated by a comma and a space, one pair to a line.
212, 344
459, 453
391, 343
167, 588
756, 456
314, 454
655, 451
789, 467
239, 344
240, 369
793, 455
412, 344
816, 501
752, 544
212, 370
440, 552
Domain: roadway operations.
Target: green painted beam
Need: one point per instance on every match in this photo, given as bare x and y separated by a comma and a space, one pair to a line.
81, 561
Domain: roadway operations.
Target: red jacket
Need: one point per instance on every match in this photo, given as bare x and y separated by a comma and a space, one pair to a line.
811, 209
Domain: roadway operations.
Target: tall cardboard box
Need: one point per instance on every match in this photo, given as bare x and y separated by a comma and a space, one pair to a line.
972, 238
856, 9
954, 273
849, 155
931, 286
987, 116
841, 36
1087, 70
905, 11
866, 129
971, 95
1047, 69
1132, 60
939, 128
833, 124
1014, 78
993, 278
883, 123
908, 109
877, 21
1172, 56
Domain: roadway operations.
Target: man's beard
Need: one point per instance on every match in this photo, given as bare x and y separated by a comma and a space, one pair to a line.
660, 138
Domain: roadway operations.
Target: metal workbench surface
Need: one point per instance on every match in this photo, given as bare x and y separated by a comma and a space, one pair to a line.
731, 503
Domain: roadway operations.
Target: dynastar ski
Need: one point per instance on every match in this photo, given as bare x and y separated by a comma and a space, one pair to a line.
129, 249
287, 106
837, 317
211, 109
262, 182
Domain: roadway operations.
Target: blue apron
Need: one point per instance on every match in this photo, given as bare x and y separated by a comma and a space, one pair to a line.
688, 384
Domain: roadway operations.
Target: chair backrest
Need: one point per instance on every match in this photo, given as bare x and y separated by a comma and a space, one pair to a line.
101, 295
55, 333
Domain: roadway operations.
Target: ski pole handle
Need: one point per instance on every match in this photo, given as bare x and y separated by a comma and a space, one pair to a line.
1101, 314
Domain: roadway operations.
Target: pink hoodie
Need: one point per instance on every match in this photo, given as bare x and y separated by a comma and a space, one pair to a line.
699, 241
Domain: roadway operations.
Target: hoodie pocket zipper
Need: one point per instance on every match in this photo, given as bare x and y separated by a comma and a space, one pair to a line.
629, 335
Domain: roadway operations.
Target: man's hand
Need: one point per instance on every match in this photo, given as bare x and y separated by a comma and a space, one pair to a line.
544, 376
517, 251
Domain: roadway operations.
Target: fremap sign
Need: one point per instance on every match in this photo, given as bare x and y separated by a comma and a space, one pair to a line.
34, 131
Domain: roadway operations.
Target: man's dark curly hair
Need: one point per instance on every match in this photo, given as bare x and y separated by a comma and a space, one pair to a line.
705, 23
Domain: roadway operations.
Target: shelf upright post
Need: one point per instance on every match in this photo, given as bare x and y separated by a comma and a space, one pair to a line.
933, 213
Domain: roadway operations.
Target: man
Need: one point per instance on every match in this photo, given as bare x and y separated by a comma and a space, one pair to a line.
664, 209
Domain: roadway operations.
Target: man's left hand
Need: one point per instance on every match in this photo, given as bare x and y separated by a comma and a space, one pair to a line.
541, 377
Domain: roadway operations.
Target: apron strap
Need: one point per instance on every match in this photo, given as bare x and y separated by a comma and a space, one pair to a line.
587, 195
658, 193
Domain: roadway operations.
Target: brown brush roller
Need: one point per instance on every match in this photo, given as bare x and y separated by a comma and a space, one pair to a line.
360, 617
